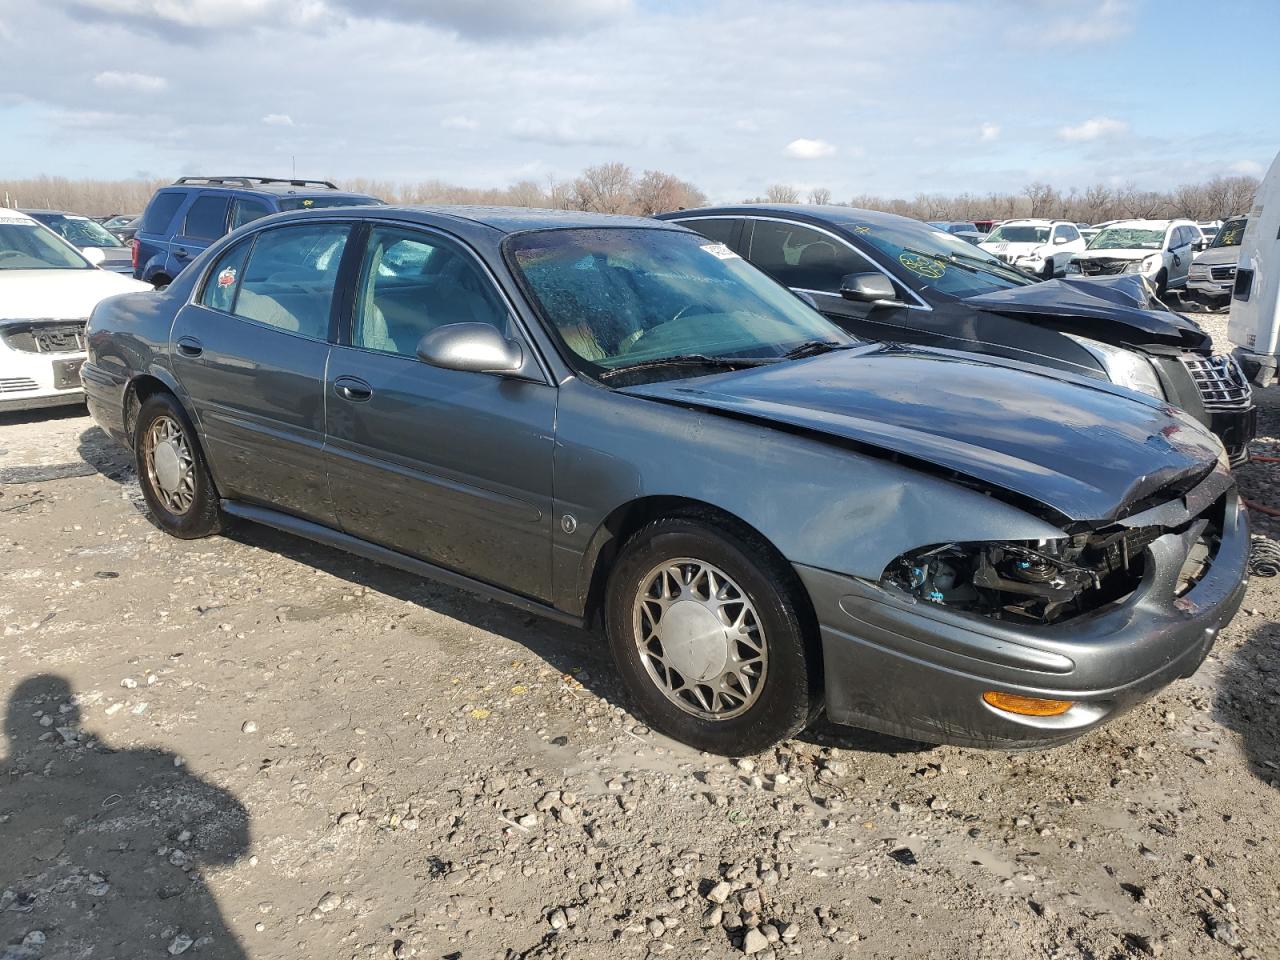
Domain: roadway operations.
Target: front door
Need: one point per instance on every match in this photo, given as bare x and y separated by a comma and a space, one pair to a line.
449, 466
251, 352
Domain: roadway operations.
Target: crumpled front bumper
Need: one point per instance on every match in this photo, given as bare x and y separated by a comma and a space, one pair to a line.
918, 670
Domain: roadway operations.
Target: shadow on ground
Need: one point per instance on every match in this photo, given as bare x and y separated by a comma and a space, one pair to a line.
103, 849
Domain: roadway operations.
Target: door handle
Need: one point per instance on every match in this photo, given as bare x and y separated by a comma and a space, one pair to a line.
190, 347
353, 389
180, 254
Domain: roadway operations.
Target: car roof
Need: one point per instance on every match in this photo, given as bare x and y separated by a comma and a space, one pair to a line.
35, 211
822, 213
1140, 224
270, 189
502, 219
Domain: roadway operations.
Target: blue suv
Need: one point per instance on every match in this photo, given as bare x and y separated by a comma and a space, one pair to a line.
185, 217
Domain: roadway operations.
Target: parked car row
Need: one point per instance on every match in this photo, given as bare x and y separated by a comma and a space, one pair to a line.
623, 421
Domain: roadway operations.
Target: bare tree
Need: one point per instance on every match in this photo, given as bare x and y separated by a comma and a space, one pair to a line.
781, 193
658, 192
820, 195
605, 188
1043, 198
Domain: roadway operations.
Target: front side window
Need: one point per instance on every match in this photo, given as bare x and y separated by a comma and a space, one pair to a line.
720, 229
801, 257
289, 279
224, 279
29, 246
207, 218
160, 212
619, 298
410, 284
246, 211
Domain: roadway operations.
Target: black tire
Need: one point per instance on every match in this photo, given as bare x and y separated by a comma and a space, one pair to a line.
1047, 272
789, 695
160, 281
1162, 283
202, 517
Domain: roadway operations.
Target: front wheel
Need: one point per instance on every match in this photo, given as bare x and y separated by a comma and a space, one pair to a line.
708, 630
1047, 273
1162, 283
172, 471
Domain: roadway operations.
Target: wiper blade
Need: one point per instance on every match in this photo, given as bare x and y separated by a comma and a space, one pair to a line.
811, 348
689, 360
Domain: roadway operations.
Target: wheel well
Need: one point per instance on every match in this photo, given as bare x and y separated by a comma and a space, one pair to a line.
159, 280
627, 519
140, 389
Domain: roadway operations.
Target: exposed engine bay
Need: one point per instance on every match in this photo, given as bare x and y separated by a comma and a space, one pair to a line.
1048, 581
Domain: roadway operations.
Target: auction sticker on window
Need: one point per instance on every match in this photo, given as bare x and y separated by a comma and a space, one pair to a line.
227, 277
720, 251
926, 267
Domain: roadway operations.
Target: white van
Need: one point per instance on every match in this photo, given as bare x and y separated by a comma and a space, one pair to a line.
1254, 323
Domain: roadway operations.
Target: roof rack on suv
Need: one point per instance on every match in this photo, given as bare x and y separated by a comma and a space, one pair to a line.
252, 181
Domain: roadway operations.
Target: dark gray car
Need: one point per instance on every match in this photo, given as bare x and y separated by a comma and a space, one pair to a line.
615, 420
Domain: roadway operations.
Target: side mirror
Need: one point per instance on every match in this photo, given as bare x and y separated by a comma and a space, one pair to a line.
474, 347
94, 255
1058, 240
867, 287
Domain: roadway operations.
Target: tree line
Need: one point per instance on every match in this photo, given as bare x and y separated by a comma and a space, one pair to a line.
617, 188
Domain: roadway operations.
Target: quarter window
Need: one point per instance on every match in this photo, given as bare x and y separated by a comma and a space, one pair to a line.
801, 257
224, 279
410, 284
289, 279
206, 219
246, 211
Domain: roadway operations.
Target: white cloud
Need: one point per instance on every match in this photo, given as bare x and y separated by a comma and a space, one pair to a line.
460, 123
989, 131
190, 18
1087, 25
746, 125
1247, 168
805, 149
1099, 128
120, 80
278, 120
484, 19
561, 134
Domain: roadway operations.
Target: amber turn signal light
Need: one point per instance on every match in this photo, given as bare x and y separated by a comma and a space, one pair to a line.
1027, 706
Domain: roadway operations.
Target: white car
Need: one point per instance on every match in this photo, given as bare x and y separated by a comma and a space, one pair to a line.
47, 290
1160, 250
1041, 247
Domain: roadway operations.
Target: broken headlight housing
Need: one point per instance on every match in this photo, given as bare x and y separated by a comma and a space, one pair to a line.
1124, 367
1025, 582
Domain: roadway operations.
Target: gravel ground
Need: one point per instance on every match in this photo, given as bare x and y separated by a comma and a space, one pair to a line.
251, 746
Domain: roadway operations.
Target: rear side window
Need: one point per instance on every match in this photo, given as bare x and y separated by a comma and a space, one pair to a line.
247, 211
207, 218
160, 212
801, 257
289, 279
720, 229
224, 279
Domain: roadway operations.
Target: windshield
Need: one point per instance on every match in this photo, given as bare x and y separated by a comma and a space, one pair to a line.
1127, 238
28, 246
81, 231
621, 298
316, 203
928, 260
1018, 233
1231, 234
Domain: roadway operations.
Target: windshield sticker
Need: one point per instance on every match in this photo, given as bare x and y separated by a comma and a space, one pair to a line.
22, 220
227, 277
926, 267
308, 203
862, 228
720, 251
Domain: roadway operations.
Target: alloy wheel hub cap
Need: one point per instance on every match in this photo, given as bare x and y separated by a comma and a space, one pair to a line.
694, 639
168, 466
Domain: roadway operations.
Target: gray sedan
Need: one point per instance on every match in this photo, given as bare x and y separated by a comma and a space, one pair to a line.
617, 421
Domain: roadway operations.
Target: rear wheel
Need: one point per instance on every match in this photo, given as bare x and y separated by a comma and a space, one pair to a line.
172, 472
708, 631
1162, 283
160, 281
1047, 272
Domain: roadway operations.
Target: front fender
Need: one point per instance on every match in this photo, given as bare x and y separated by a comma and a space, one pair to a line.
819, 504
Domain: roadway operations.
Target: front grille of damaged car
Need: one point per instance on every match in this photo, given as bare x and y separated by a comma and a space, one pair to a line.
62, 336
1051, 582
1220, 381
1099, 266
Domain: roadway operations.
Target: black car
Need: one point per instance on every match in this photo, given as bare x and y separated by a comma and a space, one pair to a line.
890, 278
611, 420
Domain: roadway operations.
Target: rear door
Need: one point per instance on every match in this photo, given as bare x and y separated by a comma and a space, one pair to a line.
450, 466
154, 231
251, 351
204, 221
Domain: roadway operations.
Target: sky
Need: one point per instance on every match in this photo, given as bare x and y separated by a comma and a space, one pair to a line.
886, 98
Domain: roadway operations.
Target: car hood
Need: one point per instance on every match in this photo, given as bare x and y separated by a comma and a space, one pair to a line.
1131, 254
59, 294
1009, 248
1086, 452
1218, 256
1113, 309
